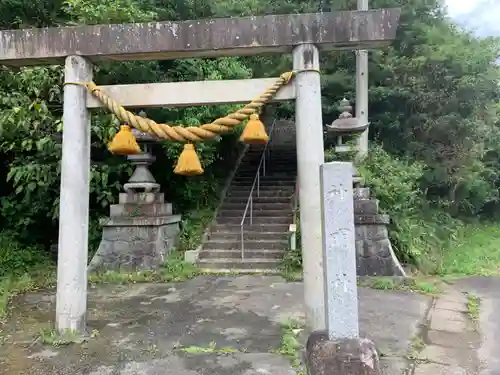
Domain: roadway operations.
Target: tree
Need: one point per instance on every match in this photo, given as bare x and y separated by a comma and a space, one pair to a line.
31, 115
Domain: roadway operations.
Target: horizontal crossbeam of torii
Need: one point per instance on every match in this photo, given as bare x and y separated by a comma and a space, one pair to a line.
200, 38
302, 35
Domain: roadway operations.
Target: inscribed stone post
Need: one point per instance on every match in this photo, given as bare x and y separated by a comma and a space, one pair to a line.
339, 350
339, 250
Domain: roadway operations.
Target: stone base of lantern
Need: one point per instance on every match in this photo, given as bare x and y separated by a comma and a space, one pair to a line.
375, 256
138, 235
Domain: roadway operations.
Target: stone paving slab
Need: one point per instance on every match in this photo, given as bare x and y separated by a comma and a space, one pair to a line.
437, 369
488, 290
142, 326
451, 339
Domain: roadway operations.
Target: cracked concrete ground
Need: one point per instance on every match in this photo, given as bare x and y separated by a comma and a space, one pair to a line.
142, 326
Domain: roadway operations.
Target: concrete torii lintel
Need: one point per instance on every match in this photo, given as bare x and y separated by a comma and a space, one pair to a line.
200, 38
180, 94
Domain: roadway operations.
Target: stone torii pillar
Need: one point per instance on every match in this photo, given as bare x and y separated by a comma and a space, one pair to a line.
310, 155
71, 300
362, 92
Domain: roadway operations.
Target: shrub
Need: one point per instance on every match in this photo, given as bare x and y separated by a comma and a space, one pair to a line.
419, 229
16, 259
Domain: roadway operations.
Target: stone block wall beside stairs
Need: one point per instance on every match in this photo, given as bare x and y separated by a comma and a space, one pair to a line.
374, 253
265, 240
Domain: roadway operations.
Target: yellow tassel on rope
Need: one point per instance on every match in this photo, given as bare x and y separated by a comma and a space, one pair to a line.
124, 142
188, 163
254, 132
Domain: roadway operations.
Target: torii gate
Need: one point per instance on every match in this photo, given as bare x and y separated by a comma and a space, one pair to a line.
303, 35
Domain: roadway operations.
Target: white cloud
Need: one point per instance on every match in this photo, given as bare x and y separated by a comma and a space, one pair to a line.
479, 16
461, 7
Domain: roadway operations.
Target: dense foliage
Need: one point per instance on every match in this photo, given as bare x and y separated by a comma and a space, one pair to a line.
433, 109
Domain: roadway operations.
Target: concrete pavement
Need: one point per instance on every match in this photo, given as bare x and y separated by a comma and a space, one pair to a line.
216, 325
209, 325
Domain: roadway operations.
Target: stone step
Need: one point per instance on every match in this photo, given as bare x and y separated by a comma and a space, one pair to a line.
228, 235
255, 220
258, 200
268, 188
239, 271
243, 193
275, 168
277, 156
272, 152
255, 161
263, 183
257, 206
240, 264
252, 167
270, 157
276, 175
236, 254
289, 171
249, 229
271, 176
255, 213
249, 244
269, 161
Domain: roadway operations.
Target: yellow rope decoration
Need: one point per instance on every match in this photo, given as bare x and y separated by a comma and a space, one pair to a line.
124, 142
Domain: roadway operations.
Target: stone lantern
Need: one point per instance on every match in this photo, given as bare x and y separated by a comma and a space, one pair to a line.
374, 253
346, 125
141, 229
142, 180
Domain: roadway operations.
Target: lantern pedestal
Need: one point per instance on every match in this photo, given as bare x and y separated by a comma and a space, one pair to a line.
141, 229
374, 253
139, 234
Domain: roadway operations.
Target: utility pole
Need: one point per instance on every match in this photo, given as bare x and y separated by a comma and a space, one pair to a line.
362, 91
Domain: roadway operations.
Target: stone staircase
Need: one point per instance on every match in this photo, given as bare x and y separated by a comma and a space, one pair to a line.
265, 240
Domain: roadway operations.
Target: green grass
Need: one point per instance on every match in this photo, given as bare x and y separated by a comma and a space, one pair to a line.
292, 275
416, 347
175, 269
427, 285
211, 348
13, 285
290, 345
477, 254
473, 307
193, 226
50, 336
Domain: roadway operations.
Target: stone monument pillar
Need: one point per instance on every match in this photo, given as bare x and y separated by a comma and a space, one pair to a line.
141, 229
374, 253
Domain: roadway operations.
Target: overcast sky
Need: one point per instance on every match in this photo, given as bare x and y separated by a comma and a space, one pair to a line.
482, 16
458, 7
